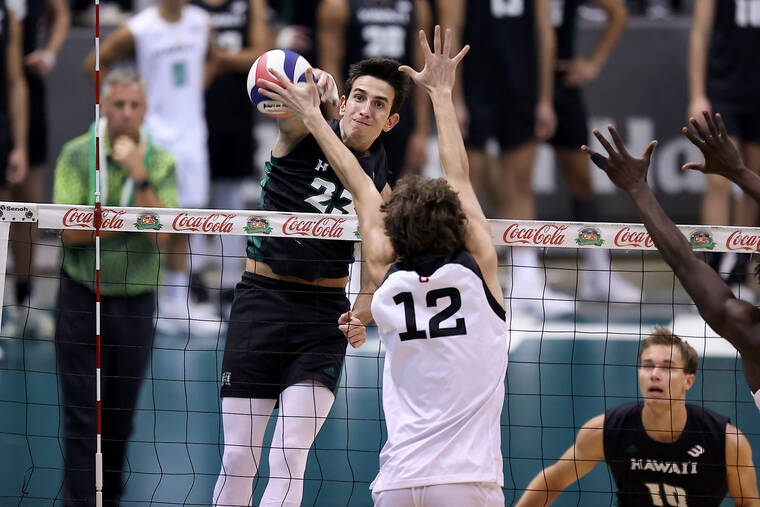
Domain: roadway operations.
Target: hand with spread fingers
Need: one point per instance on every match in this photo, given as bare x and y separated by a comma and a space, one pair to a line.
625, 171
300, 100
721, 154
439, 71
353, 329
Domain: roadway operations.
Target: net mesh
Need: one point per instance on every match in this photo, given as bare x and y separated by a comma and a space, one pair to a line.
576, 315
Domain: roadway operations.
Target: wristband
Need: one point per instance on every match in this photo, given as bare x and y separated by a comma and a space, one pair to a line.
142, 185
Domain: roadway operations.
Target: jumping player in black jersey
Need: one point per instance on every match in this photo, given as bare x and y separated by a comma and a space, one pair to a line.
574, 72
283, 345
351, 30
724, 77
452, 322
661, 450
735, 320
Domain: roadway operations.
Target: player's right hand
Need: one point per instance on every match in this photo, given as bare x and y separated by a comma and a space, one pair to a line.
353, 329
721, 154
696, 106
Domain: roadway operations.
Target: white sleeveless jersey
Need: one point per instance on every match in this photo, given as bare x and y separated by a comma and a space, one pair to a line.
756, 395
171, 58
445, 340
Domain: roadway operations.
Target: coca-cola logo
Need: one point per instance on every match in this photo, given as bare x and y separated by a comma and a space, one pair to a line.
626, 237
548, 234
214, 223
738, 240
326, 227
112, 219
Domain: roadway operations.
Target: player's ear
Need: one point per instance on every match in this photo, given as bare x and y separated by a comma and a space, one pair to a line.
690, 378
342, 105
391, 122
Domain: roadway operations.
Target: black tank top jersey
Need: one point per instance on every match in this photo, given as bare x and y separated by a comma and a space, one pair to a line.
303, 182
380, 28
563, 17
228, 107
502, 58
733, 73
302, 13
647, 472
34, 10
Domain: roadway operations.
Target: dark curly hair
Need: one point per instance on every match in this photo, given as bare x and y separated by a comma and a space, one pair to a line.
385, 69
424, 216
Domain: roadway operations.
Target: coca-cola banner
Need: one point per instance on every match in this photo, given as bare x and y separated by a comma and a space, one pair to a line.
346, 227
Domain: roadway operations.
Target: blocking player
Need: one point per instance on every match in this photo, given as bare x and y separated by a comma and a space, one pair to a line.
438, 309
661, 450
724, 76
283, 345
735, 320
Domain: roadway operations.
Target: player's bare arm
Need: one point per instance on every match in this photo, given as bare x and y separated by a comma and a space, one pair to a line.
303, 103
546, 45
721, 156
117, 46
580, 70
576, 462
735, 320
416, 153
451, 14
740, 471
699, 41
18, 101
437, 79
332, 18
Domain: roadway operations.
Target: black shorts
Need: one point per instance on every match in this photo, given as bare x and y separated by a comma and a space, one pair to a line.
280, 334
572, 120
741, 122
231, 154
38, 135
507, 117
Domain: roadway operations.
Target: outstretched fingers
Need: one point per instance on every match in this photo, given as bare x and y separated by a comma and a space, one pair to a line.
700, 130
460, 55
699, 143
605, 144
437, 39
648, 152
598, 159
721, 125
424, 44
617, 140
710, 123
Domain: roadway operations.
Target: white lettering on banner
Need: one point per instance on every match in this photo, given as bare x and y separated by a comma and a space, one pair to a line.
327, 227
215, 223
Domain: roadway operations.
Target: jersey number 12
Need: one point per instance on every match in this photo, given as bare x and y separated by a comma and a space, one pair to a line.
434, 326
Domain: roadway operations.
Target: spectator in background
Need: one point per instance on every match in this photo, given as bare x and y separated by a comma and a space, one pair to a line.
352, 30
170, 43
38, 61
241, 32
129, 268
507, 94
296, 22
724, 77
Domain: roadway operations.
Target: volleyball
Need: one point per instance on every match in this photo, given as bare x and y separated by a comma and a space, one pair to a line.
285, 61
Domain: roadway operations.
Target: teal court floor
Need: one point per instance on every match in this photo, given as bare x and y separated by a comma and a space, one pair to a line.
560, 374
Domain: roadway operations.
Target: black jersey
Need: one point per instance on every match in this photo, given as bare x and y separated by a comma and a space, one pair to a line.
563, 19
304, 182
647, 472
380, 28
31, 22
733, 71
501, 35
228, 107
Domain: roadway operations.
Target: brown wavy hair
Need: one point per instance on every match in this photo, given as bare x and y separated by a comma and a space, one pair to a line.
424, 216
385, 69
661, 336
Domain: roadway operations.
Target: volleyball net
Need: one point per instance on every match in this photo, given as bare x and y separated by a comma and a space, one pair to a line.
576, 316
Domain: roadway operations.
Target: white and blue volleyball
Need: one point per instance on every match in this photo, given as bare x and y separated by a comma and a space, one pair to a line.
285, 61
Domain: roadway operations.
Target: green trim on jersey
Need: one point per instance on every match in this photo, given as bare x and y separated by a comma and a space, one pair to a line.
253, 249
129, 261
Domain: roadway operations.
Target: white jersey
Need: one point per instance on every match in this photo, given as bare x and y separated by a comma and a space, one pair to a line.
445, 340
756, 395
171, 59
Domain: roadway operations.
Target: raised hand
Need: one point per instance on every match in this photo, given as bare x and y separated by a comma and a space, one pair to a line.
439, 72
721, 155
625, 171
299, 100
353, 329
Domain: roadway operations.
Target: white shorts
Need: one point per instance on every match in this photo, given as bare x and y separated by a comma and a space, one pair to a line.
191, 169
442, 495
757, 398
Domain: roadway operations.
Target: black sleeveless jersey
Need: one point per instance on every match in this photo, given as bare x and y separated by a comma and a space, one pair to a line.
303, 182
563, 18
501, 35
733, 70
31, 22
228, 107
691, 470
380, 28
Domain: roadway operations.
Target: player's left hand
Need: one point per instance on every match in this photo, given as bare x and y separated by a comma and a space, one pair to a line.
439, 72
546, 120
721, 154
625, 171
40, 61
17, 166
353, 329
299, 100
578, 71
